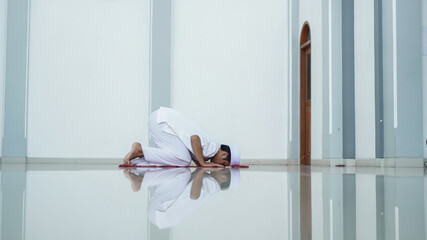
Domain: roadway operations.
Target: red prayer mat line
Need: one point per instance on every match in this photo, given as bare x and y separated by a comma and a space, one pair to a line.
155, 166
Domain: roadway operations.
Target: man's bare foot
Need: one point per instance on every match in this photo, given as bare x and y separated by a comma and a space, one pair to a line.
135, 152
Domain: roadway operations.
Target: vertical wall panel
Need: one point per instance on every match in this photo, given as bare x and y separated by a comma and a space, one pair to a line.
402, 79
161, 43
3, 22
88, 78
336, 98
364, 78
15, 139
326, 44
379, 108
409, 142
348, 125
332, 139
228, 71
424, 73
293, 72
388, 101
286, 80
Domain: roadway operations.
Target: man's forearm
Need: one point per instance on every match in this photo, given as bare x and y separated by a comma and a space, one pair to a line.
197, 148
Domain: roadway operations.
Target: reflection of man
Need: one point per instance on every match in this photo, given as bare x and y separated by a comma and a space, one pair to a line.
179, 140
179, 193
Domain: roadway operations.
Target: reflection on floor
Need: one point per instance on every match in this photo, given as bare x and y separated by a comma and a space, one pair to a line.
58, 201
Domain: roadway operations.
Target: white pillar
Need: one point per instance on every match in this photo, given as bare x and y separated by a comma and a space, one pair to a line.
335, 80
364, 53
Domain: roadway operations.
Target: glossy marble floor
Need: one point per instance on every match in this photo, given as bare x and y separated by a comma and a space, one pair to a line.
51, 202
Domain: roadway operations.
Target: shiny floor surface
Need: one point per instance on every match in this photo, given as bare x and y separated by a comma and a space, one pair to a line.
43, 202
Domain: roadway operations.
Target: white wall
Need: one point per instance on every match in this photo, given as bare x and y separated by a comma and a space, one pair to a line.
364, 54
424, 67
228, 71
3, 26
84, 205
311, 11
88, 77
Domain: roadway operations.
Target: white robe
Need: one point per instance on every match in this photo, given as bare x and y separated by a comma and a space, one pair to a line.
171, 132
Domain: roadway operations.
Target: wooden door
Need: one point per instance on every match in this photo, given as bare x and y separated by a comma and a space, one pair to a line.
305, 96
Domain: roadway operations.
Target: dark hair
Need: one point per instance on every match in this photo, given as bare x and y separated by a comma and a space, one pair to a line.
226, 148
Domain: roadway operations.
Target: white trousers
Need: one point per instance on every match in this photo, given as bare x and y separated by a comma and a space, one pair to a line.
169, 150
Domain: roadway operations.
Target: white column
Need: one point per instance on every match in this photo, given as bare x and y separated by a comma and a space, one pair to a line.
364, 53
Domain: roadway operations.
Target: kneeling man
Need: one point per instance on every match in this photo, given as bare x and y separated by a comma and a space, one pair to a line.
180, 140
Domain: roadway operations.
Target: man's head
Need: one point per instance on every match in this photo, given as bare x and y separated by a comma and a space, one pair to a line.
227, 155
222, 156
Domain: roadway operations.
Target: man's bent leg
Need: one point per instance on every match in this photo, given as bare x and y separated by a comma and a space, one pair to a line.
170, 149
164, 157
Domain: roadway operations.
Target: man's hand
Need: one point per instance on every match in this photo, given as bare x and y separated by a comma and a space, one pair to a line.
211, 164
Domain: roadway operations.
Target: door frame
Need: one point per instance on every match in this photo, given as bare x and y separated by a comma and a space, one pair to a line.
305, 104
